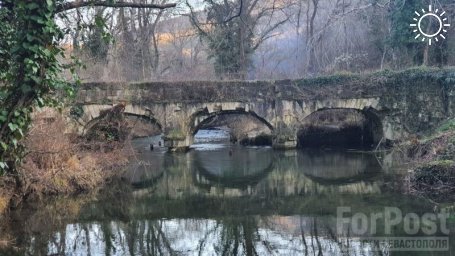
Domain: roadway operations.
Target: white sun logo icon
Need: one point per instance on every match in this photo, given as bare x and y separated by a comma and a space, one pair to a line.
441, 25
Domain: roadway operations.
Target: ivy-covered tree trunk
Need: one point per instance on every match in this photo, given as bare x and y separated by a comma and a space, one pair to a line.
32, 70
235, 33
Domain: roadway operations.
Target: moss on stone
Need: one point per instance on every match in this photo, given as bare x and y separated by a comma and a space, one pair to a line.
387, 77
175, 134
328, 80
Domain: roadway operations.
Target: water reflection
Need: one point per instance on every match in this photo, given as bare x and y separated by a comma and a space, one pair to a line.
219, 199
231, 170
292, 235
338, 166
233, 167
230, 235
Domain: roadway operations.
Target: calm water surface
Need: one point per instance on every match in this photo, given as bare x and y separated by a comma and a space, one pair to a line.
221, 199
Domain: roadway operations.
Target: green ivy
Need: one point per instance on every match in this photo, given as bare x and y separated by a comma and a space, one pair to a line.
76, 111
30, 73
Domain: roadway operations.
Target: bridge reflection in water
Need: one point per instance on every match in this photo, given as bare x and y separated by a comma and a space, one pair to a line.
229, 170
221, 199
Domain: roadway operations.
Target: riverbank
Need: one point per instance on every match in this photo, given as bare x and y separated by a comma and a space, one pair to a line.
432, 159
60, 163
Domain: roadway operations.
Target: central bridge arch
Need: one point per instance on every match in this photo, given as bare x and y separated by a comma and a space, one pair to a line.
245, 127
203, 117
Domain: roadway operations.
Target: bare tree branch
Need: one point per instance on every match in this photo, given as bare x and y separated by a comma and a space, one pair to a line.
237, 15
266, 34
194, 20
120, 4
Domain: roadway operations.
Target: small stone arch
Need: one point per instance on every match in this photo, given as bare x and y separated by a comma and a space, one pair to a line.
136, 118
341, 127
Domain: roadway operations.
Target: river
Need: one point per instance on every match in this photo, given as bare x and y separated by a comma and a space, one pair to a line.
223, 199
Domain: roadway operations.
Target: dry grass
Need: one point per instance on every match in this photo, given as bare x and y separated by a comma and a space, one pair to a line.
4, 201
6, 242
437, 147
6, 193
58, 163
432, 158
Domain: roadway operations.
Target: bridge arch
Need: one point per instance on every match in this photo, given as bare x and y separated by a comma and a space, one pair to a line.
143, 126
341, 127
246, 127
141, 122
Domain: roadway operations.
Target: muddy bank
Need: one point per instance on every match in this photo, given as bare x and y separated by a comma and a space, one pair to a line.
432, 159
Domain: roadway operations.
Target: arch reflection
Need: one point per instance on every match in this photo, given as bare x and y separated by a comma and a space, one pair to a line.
338, 167
232, 168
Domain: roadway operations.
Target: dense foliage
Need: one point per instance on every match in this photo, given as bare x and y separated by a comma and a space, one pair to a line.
29, 70
97, 41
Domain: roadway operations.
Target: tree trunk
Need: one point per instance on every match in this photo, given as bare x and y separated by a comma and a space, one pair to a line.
311, 41
426, 55
242, 38
426, 51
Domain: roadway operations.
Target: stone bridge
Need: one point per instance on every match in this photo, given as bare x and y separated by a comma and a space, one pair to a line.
391, 105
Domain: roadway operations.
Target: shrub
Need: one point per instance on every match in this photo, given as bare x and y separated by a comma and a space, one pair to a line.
59, 163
